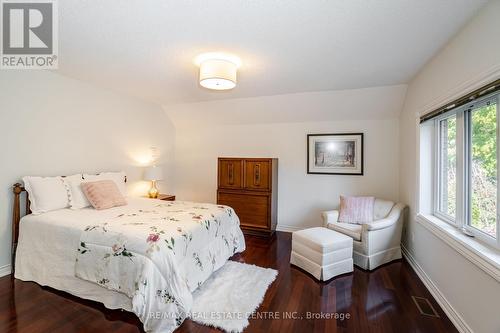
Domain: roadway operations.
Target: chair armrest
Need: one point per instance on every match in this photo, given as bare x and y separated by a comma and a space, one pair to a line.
392, 218
330, 216
379, 224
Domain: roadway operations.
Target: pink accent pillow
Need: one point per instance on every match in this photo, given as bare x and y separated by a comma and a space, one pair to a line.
357, 210
103, 194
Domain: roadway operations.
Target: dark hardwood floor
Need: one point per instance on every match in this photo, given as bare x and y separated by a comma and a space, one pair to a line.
377, 301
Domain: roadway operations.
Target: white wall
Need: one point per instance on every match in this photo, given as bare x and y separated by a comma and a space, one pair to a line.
469, 57
301, 197
53, 125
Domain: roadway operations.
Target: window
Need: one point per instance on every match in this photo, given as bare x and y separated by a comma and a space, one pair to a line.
483, 169
448, 167
466, 173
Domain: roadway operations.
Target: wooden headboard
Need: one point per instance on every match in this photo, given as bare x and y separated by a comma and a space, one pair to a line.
16, 217
18, 189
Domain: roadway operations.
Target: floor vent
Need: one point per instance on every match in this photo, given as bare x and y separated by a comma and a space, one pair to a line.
425, 307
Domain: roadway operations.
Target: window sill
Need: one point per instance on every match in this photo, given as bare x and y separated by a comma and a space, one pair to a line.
483, 256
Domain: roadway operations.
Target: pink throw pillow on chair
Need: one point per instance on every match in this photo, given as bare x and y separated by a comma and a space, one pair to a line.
103, 194
357, 210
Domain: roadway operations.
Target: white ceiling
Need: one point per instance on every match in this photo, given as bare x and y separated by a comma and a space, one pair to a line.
146, 48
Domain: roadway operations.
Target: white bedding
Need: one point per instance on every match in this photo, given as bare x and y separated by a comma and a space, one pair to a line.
48, 244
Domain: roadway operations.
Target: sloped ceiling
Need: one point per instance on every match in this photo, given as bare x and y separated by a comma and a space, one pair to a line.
146, 47
340, 105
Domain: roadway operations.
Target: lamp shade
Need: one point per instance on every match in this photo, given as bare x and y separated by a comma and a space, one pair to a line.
218, 74
153, 173
217, 70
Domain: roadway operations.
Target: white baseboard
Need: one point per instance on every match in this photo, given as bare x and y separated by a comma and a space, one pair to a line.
287, 228
454, 316
5, 270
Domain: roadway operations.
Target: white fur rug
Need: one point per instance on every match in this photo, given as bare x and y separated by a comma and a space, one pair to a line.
231, 295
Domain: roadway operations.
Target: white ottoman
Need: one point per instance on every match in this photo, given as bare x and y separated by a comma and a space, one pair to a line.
322, 252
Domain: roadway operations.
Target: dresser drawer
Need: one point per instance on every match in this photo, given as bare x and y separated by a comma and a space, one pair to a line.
257, 175
251, 208
230, 173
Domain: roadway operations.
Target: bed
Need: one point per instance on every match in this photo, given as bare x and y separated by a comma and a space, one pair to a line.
146, 257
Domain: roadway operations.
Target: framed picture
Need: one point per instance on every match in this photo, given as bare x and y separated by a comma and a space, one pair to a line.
335, 154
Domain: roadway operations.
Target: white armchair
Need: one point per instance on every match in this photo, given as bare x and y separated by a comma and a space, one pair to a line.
374, 243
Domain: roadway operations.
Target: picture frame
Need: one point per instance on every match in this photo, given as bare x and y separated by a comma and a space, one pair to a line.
335, 154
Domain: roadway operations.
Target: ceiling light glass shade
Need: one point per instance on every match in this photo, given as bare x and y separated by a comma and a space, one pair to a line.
218, 74
218, 70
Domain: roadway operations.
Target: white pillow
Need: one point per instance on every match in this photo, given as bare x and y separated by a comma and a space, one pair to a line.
46, 193
77, 198
117, 177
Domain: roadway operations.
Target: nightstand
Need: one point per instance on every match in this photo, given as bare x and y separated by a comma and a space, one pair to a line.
166, 197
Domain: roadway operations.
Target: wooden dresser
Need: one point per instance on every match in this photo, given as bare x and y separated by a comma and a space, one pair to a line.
250, 186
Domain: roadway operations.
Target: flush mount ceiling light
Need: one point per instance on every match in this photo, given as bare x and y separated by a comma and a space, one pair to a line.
218, 70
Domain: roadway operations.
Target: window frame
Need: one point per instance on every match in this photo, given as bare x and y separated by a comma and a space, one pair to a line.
437, 170
479, 234
462, 219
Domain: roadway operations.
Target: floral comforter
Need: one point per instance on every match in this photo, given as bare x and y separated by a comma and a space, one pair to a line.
159, 256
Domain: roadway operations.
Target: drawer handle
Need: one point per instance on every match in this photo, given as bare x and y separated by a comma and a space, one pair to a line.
230, 173
256, 180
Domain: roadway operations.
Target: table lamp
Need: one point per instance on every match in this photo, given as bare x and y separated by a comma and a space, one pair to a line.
153, 174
